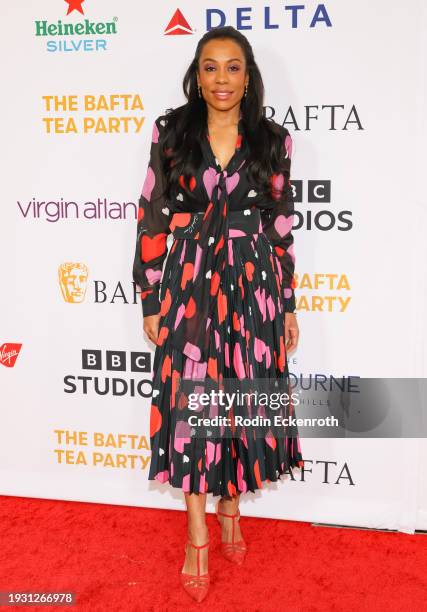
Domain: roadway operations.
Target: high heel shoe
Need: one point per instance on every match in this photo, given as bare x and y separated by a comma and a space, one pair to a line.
196, 586
233, 551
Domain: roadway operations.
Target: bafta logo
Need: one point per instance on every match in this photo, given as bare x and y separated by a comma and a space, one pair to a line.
73, 281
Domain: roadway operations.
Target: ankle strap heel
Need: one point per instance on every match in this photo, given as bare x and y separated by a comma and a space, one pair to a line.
196, 586
198, 548
233, 551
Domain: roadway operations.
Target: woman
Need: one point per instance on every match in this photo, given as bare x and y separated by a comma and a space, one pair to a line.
218, 179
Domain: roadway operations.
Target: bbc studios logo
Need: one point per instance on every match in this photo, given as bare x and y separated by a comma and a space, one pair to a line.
111, 373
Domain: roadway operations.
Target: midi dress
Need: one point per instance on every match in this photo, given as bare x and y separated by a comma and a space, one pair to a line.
222, 289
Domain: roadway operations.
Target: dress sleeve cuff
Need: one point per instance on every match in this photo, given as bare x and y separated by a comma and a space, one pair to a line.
289, 303
150, 302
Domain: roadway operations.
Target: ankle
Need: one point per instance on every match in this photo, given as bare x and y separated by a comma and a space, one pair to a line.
229, 506
198, 534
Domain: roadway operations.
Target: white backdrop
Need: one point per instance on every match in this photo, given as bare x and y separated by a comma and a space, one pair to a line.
352, 91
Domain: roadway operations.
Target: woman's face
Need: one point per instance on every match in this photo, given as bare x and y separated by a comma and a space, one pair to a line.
222, 73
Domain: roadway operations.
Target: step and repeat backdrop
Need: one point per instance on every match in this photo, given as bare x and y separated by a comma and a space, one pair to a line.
83, 82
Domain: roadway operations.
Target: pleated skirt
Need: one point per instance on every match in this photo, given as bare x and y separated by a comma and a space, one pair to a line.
248, 343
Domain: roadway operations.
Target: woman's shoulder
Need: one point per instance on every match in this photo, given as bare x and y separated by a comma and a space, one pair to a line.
159, 126
165, 123
171, 115
160, 122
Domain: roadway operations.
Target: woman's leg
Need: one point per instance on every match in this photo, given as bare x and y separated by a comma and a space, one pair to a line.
197, 532
229, 505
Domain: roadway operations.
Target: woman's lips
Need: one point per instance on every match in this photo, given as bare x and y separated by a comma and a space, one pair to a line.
222, 95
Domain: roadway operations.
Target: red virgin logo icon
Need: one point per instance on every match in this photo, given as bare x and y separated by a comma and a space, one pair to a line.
178, 25
9, 352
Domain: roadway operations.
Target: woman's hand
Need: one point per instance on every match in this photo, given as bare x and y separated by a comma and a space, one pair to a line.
291, 332
151, 327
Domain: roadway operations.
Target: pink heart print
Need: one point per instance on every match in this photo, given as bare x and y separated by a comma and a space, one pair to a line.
288, 145
153, 275
155, 134
150, 180
211, 178
283, 225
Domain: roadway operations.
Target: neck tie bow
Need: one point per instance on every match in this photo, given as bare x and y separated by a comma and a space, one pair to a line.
203, 297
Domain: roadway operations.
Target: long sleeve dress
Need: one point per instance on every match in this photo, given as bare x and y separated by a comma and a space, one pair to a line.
222, 298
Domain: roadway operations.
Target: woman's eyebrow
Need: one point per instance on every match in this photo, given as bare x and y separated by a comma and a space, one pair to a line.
233, 59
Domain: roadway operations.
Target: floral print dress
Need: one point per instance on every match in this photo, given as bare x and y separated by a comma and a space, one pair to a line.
222, 290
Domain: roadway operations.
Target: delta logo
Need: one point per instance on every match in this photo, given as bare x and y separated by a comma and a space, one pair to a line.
76, 35
9, 352
178, 25
292, 16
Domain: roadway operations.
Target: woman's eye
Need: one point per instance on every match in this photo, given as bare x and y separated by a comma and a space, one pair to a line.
232, 68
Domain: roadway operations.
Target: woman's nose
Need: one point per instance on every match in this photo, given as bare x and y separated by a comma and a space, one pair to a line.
221, 76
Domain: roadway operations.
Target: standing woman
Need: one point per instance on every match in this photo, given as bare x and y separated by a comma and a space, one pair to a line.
218, 179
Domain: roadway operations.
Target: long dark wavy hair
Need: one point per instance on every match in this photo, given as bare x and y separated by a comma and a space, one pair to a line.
185, 125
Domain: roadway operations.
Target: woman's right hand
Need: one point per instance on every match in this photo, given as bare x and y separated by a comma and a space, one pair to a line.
151, 327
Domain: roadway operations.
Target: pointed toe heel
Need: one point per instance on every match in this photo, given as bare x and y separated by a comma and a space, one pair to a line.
197, 586
233, 551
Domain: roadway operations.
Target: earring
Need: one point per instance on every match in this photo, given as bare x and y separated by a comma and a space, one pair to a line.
199, 90
246, 90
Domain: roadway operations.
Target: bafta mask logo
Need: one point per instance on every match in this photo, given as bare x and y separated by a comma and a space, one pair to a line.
73, 281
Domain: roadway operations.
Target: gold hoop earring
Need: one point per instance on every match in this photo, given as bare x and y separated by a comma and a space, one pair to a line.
199, 90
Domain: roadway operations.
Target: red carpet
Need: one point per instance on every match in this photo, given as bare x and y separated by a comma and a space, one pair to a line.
124, 558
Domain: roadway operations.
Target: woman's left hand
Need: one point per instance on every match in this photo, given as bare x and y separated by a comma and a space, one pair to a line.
291, 332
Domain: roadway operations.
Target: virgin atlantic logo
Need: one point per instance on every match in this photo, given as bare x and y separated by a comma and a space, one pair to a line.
178, 25
9, 352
